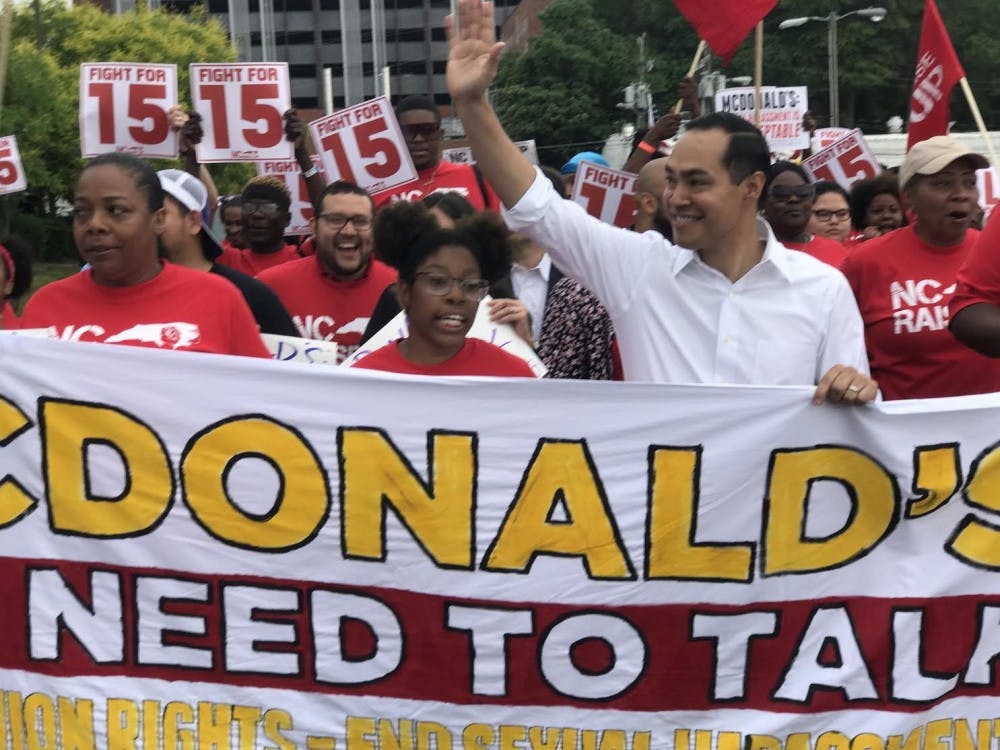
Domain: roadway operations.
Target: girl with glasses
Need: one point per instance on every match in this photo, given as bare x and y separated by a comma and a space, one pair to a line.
831, 215
443, 276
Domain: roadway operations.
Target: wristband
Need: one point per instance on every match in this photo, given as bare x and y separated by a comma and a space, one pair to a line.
311, 172
649, 148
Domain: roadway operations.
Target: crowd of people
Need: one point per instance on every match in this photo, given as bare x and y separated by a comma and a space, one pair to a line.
737, 270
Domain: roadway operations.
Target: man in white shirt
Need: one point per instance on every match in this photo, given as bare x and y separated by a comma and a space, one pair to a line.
738, 307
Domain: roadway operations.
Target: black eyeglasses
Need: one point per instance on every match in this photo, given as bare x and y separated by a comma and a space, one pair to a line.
440, 284
339, 221
429, 130
824, 215
784, 192
266, 208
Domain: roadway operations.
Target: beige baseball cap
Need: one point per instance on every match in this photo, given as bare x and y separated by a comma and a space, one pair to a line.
933, 155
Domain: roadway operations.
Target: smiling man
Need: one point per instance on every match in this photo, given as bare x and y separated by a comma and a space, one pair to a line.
331, 294
728, 303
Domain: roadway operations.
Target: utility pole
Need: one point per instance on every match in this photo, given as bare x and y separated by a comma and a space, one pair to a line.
638, 97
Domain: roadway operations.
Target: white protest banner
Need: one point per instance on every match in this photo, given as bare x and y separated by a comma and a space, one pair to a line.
12, 177
364, 145
498, 334
823, 137
242, 107
847, 161
301, 207
606, 193
781, 113
988, 184
296, 556
123, 107
463, 155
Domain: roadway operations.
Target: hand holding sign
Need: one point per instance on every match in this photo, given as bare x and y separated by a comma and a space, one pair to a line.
605, 193
123, 107
364, 145
241, 105
12, 177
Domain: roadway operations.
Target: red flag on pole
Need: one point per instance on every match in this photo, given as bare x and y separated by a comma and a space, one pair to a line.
724, 24
938, 70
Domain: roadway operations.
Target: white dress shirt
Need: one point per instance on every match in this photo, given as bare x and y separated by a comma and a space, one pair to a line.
785, 322
531, 285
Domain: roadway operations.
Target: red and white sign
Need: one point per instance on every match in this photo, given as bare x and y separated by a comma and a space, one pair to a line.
301, 208
463, 155
123, 107
988, 184
12, 178
847, 161
242, 107
364, 145
605, 193
824, 137
781, 112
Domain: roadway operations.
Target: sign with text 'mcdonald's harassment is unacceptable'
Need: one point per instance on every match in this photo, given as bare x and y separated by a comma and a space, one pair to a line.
287, 556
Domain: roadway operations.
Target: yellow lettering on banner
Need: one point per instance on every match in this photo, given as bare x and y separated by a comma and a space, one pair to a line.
763, 742
833, 741
937, 734
76, 723
963, 739
275, 722
613, 739
68, 428
123, 724
975, 540
588, 739
937, 477
15, 715
511, 735
150, 723
913, 741
360, 733
560, 470
40, 721
672, 551
432, 736
874, 497
798, 741
703, 739
298, 512
682, 739
391, 737
480, 737
246, 718
641, 740
729, 741
374, 474
15, 501
214, 720
176, 715
545, 738
867, 741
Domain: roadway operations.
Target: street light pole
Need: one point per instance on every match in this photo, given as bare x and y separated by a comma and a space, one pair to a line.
832, 53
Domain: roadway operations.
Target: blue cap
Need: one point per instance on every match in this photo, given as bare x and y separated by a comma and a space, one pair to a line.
591, 156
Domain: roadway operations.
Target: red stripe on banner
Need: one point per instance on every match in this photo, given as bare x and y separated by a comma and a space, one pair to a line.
69, 619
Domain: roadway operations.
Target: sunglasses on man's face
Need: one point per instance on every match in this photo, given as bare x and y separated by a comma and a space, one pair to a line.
428, 130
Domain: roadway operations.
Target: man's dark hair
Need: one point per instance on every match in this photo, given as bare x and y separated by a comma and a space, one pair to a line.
422, 103
342, 187
747, 151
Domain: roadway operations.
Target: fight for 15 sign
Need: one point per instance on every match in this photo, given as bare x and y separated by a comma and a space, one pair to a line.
242, 107
12, 177
123, 107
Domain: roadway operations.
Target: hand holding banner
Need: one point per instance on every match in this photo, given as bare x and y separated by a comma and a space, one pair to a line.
607, 194
12, 178
241, 105
364, 145
142, 92
847, 161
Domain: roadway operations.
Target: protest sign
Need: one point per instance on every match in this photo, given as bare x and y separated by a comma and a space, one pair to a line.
498, 334
242, 107
301, 207
123, 107
12, 177
988, 185
781, 113
608, 194
364, 145
824, 137
847, 161
464, 155
299, 556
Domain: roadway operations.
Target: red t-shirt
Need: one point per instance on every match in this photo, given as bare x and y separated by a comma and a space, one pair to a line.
251, 263
327, 309
821, 248
445, 177
179, 308
477, 357
979, 276
8, 318
903, 287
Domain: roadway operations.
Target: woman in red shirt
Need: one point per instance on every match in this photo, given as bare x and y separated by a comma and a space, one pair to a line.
443, 276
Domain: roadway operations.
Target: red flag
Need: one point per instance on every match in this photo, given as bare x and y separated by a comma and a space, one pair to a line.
938, 70
724, 24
